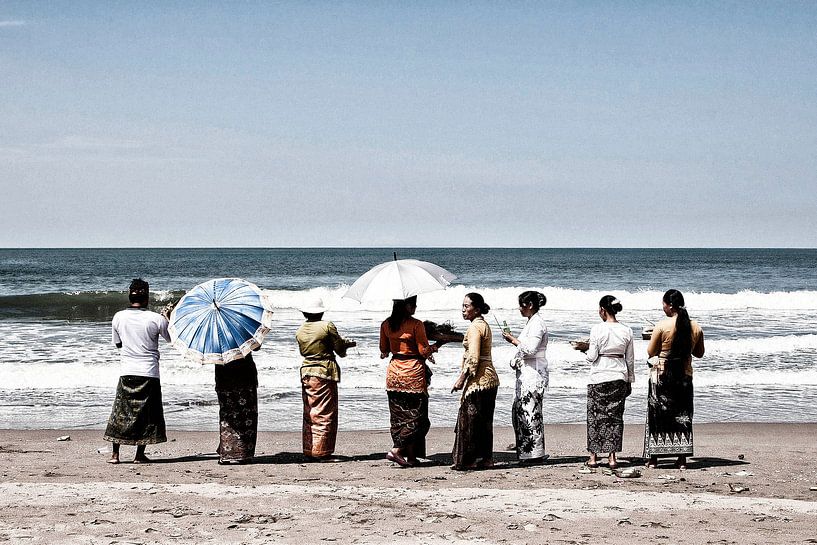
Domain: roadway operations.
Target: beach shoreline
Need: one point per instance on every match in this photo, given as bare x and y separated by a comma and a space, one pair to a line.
64, 491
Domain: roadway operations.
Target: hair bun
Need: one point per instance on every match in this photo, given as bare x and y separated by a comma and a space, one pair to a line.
478, 302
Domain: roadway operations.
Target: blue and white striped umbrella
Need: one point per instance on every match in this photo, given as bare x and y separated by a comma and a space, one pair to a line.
220, 320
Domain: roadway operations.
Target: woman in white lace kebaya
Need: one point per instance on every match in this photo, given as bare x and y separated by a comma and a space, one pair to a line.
531, 367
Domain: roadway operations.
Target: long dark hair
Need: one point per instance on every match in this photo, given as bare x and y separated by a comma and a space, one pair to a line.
479, 302
610, 304
682, 340
534, 298
138, 291
399, 312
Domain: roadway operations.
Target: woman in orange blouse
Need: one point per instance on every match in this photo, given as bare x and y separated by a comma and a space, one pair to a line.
404, 337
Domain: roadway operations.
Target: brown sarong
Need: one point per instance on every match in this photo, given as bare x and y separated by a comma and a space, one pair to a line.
409, 421
474, 432
320, 428
605, 416
137, 417
237, 390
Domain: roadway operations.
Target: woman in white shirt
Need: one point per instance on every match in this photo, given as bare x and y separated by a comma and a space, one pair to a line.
137, 417
531, 367
610, 356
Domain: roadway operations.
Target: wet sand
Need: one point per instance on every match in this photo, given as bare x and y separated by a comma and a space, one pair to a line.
750, 484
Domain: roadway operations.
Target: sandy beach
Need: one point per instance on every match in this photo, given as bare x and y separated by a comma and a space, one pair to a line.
750, 484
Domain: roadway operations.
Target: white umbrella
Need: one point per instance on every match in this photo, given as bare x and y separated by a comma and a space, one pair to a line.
399, 279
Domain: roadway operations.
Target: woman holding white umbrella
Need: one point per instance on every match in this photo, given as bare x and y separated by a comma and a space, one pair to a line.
404, 337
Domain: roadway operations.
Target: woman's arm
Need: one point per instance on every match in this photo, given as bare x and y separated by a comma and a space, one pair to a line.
698, 349
458, 385
592, 353
117, 341
529, 344
470, 361
385, 348
656, 339
339, 344
474, 338
629, 359
425, 349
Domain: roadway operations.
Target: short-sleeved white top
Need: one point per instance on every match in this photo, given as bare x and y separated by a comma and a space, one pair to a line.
138, 330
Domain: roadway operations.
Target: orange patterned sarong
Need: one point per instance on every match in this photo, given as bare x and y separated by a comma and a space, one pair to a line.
320, 427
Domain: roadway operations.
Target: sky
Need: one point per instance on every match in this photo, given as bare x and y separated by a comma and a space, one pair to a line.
476, 124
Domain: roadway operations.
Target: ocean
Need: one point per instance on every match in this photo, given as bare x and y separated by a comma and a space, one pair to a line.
756, 307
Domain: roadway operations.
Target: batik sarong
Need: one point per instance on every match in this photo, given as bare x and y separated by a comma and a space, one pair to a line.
526, 414
669, 417
237, 390
605, 416
474, 432
137, 417
408, 412
320, 425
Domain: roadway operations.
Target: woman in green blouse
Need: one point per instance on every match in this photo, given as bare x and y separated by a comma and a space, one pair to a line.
319, 342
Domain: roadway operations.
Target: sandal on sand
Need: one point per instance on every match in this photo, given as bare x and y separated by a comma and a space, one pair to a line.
470, 467
397, 459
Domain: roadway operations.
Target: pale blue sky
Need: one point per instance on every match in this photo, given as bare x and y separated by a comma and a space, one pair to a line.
411, 124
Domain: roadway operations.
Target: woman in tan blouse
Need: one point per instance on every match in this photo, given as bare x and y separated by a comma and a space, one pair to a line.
474, 434
670, 396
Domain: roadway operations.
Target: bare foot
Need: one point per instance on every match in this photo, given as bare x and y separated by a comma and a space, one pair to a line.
114, 459
142, 460
653, 463
611, 461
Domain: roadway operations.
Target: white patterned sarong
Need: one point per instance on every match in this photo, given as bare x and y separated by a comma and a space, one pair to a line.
526, 415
